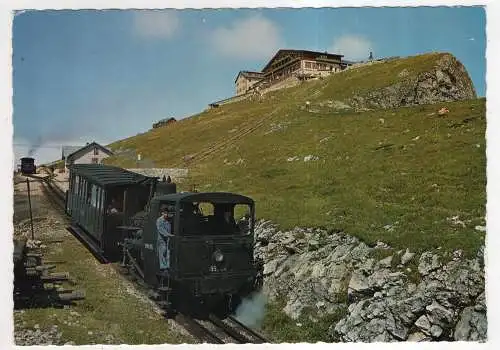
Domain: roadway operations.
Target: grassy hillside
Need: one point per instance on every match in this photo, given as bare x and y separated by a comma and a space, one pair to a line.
168, 145
407, 176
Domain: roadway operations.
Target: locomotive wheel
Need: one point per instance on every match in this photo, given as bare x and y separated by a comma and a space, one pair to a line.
168, 309
166, 302
124, 269
170, 313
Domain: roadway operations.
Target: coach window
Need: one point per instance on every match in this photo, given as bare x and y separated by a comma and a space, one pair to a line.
195, 217
100, 199
89, 192
81, 186
77, 186
84, 191
93, 196
76, 183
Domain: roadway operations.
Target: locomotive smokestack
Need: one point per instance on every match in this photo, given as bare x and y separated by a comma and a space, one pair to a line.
164, 179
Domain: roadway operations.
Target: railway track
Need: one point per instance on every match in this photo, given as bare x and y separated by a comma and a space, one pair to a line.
211, 330
217, 331
55, 194
226, 143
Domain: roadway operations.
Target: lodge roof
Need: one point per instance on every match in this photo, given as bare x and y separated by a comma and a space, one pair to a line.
67, 150
249, 74
282, 52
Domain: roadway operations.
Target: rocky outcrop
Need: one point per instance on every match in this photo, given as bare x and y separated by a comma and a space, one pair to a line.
447, 81
400, 297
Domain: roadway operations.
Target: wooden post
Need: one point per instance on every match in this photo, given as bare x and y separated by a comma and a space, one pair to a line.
31, 213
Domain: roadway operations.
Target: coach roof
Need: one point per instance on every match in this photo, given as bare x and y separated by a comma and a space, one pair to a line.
107, 175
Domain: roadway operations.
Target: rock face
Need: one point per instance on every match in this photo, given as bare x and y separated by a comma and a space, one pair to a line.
320, 273
448, 81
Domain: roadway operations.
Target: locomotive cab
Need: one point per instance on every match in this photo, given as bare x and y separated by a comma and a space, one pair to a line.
210, 247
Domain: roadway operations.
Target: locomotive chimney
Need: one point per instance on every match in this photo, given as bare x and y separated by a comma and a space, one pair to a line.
165, 186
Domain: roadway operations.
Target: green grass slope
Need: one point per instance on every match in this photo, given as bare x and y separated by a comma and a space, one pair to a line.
408, 176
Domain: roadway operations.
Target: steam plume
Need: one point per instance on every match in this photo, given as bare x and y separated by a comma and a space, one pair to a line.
252, 309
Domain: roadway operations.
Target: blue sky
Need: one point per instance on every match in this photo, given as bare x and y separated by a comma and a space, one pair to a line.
105, 75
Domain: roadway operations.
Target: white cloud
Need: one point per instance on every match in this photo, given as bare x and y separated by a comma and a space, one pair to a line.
156, 23
254, 37
353, 47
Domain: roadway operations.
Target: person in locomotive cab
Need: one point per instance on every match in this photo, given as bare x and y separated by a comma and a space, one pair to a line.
229, 219
225, 217
244, 223
164, 230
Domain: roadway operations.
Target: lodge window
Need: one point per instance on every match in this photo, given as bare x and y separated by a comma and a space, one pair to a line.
95, 160
96, 151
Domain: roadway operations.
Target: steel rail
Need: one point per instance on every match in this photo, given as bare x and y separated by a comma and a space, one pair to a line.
228, 329
196, 329
261, 339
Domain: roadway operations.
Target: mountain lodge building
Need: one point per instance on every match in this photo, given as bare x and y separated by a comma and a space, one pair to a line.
302, 64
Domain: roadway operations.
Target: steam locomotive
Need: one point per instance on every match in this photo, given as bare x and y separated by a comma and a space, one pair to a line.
210, 246
28, 165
